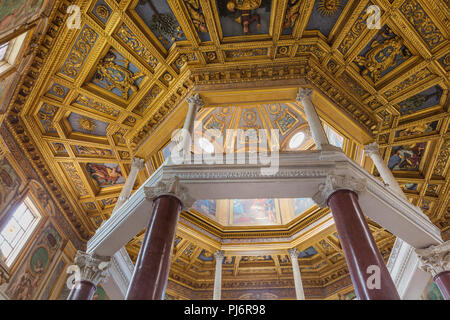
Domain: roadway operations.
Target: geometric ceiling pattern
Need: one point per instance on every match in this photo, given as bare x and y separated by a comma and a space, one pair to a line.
96, 95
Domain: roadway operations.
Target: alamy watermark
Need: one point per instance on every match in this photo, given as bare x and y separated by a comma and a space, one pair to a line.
74, 20
373, 20
374, 280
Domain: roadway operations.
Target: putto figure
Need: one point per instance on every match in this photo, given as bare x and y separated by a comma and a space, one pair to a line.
246, 17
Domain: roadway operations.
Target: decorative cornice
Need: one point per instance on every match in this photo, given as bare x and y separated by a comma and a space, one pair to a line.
435, 259
170, 187
93, 268
334, 183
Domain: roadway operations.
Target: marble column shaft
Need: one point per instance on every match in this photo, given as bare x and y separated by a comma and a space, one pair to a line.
293, 253
388, 178
370, 276
151, 271
217, 295
136, 165
315, 125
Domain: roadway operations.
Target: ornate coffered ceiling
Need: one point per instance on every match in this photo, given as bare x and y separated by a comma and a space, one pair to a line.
96, 95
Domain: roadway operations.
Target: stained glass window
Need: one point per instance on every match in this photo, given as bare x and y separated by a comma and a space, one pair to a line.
17, 229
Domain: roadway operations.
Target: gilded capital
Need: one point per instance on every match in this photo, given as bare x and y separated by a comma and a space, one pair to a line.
219, 255
371, 149
195, 100
137, 163
304, 93
334, 183
93, 268
171, 187
435, 259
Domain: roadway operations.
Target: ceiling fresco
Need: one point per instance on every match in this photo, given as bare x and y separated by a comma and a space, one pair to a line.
95, 96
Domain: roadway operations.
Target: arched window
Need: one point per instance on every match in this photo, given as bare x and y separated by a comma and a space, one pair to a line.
16, 229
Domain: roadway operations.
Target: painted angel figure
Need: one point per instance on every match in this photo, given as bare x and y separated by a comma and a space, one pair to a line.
246, 17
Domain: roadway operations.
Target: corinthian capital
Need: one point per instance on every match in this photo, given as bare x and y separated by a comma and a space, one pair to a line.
92, 268
171, 187
435, 259
304, 93
219, 255
334, 183
137, 163
195, 100
371, 149
293, 253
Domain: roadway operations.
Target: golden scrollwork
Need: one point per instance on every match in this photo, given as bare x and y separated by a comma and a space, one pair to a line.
79, 52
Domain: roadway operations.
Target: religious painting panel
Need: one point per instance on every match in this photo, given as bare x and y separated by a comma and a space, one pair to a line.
9, 183
254, 212
407, 157
417, 130
302, 204
207, 207
14, 13
105, 174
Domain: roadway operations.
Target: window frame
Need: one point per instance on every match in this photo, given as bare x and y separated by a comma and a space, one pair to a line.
26, 238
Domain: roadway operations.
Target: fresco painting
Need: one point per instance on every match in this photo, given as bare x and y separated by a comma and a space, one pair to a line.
407, 157
254, 211
15, 12
301, 204
416, 130
9, 183
105, 175
26, 281
207, 207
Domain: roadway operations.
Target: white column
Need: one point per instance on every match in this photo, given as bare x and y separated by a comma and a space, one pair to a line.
194, 105
304, 96
297, 277
372, 151
136, 166
219, 255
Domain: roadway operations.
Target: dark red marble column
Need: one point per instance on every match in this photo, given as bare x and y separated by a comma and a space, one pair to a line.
152, 266
442, 280
359, 247
82, 290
